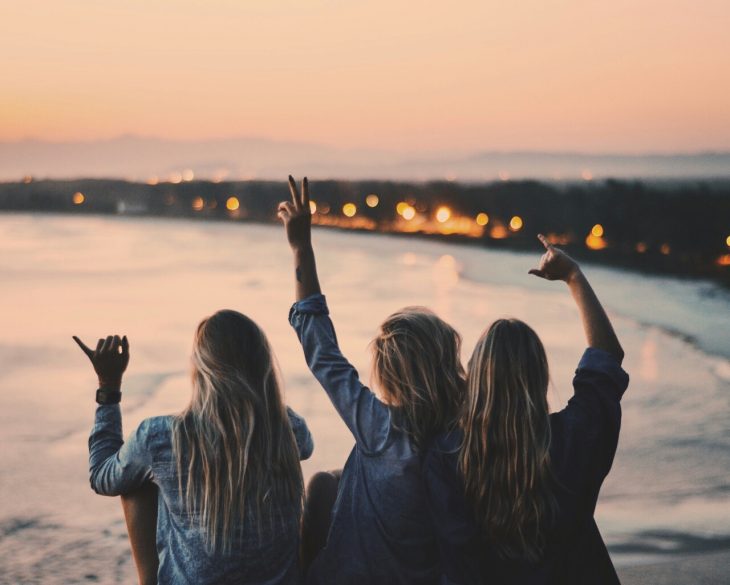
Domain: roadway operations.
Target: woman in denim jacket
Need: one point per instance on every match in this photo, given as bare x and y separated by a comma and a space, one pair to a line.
226, 468
379, 530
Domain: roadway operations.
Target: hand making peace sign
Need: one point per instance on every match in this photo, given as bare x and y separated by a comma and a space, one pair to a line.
297, 216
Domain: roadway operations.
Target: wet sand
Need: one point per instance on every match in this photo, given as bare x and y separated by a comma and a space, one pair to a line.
709, 569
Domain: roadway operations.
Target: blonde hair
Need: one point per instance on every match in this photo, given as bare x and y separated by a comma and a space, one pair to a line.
505, 455
233, 444
416, 362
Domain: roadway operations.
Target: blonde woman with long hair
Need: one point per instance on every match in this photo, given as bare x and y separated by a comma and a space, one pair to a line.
513, 490
378, 531
226, 468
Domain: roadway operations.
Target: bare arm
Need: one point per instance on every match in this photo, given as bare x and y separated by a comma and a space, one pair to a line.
557, 265
297, 219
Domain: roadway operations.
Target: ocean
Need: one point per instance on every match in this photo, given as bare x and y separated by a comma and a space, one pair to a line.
668, 493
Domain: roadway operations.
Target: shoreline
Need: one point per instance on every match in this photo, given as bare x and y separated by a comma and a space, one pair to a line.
699, 569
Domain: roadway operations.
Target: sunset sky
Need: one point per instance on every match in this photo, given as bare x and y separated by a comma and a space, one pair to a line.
629, 76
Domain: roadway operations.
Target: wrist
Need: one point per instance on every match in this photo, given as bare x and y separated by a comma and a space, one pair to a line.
107, 396
574, 275
301, 250
110, 384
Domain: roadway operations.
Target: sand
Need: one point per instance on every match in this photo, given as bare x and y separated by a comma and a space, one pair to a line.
706, 569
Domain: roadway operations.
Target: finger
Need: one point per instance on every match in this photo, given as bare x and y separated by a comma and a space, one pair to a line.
99, 345
293, 191
125, 346
537, 272
305, 193
87, 350
544, 241
107, 344
116, 345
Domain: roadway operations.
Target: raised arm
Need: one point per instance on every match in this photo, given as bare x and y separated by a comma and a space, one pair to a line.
297, 219
557, 265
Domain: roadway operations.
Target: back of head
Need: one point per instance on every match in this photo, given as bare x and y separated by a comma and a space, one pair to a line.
505, 459
417, 364
234, 447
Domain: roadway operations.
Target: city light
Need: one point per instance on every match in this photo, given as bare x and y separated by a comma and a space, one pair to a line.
401, 207
312, 206
372, 200
515, 224
498, 232
443, 214
409, 213
78, 198
597, 230
153, 181
349, 209
595, 242
641, 247
232, 203
665, 249
727, 241
724, 260
482, 219
188, 175
175, 178
198, 203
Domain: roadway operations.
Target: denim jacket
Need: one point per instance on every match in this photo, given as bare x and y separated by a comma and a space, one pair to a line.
265, 557
381, 531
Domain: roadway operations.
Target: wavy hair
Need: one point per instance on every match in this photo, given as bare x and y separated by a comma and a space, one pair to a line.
233, 444
505, 455
416, 361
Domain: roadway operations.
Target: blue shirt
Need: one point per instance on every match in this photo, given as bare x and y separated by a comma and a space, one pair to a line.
381, 531
266, 558
584, 437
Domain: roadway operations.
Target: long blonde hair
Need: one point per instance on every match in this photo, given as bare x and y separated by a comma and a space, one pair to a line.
233, 444
416, 361
505, 455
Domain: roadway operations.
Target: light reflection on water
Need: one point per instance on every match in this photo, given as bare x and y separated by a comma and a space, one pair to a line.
155, 280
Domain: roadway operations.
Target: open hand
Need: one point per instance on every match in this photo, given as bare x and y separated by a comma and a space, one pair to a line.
296, 216
555, 264
110, 359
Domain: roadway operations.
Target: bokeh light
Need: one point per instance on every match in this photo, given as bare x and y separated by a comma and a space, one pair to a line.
482, 219
312, 206
401, 207
349, 209
198, 203
597, 230
232, 203
78, 198
409, 213
372, 200
443, 214
665, 249
515, 224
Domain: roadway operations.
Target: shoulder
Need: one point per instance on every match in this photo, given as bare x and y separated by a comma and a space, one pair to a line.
155, 431
601, 370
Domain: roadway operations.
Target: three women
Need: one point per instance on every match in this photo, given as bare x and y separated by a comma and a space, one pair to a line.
451, 479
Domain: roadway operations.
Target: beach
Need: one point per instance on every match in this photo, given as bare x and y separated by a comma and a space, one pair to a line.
664, 510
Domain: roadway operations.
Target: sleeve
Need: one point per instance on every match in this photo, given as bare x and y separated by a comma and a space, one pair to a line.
116, 467
301, 434
367, 418
456, 533
593, 415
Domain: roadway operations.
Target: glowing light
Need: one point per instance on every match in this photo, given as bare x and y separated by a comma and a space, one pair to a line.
515, 224
401, 207
78, 198
503, 176
232, 203
312, 207
409, 213
724, 260
586, 175
153, 181
372, 200
498, 232
28, 179
482, 219
597, 230
727, 241
595, 242
665, 249
198, 203
443, 214
641, 247
188, 175
175, 178
349, 209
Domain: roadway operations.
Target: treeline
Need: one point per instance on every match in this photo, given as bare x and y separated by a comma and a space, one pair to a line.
681, 228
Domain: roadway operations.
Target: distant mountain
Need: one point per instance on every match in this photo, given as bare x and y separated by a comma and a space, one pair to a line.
139, 158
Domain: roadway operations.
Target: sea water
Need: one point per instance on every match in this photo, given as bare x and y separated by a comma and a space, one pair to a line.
667, 494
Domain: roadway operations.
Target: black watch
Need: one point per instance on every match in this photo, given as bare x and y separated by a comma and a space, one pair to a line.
108, 396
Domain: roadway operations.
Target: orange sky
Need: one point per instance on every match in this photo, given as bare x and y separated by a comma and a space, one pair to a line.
618, 75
